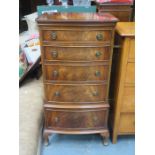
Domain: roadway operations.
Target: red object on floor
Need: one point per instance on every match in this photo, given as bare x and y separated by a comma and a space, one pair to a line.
115, 1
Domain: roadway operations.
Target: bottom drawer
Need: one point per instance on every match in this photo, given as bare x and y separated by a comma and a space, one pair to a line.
76, 119
127, 123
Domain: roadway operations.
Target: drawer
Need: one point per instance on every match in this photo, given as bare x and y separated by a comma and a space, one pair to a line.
76, 119
75, 92
80, 35
77, 53
85, 72
128, 101
130, 73
127, 123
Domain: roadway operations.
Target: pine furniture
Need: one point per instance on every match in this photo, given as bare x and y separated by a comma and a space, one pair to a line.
123, 84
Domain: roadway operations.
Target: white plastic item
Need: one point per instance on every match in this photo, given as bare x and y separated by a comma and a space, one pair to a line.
32, 53
32, 25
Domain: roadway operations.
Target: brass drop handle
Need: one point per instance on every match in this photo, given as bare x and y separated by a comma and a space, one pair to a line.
98, 73
95, 93
56, 119
54, 54
98, 54
57, 93
54, 35
99, 36
55, 73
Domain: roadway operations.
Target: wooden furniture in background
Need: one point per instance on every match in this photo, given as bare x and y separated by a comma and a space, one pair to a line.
123, 108
123, 11
76, 56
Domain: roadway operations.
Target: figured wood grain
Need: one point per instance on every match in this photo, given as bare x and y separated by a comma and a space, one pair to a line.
68, 35
76, 18
76, 119
77, 53
76, 92
76, 98
76, 73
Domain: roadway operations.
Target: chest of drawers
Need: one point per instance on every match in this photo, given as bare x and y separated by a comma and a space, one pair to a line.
76, 61
123, 108
123, 11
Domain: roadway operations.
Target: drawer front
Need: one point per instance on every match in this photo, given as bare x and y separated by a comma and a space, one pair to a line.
76, 92
68, 35
128, 101
75, 119
127, 123
76, 73
130, 73
77, 53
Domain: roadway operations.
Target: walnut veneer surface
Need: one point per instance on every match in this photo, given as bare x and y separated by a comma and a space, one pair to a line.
123, 109
76, 57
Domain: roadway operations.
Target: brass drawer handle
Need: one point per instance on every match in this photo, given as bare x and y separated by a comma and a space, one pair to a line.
56, 119
57, 93
55, 73
54, 35
95, 93
98, 73
54, 54
99, 37
98, 54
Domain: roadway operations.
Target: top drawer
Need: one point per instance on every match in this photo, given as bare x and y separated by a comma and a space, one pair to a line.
79, 35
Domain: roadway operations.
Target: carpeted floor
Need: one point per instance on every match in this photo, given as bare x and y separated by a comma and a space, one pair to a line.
88, 145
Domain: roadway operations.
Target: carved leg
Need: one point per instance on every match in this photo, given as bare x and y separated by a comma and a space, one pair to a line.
105, 138
46, 140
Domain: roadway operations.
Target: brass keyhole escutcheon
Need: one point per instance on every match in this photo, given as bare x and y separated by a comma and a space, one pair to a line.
95, 118
57, 93
95, 93
97, 73
55, 73
99, 36
54, 35
98, 54
54, 54
56, 119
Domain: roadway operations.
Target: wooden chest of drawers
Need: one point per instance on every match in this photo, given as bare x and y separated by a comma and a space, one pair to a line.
76, 58
123, 122
123, 11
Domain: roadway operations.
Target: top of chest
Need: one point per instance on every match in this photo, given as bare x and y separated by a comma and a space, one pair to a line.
75, 18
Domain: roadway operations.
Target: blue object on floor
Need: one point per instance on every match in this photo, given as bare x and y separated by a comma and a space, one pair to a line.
88, 145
